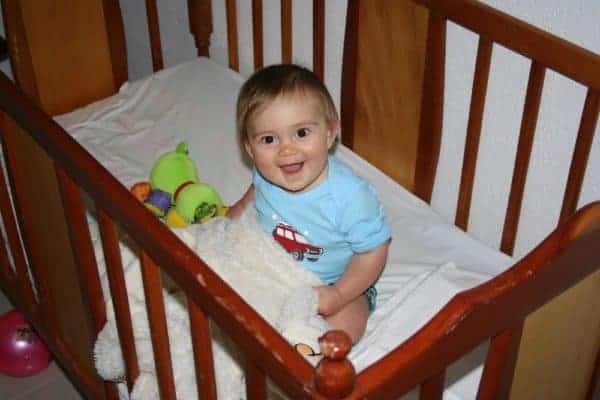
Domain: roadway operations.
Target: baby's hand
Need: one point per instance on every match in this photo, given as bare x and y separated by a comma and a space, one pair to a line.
330, 300
236, 210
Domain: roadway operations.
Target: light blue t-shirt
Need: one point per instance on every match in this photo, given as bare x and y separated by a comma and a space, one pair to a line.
325, 226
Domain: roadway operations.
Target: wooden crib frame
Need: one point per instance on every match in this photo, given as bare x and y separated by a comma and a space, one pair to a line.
67, 306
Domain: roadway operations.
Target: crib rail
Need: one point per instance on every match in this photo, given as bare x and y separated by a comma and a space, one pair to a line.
268, 354
201, 30
545, 52
496, 310
28, 284
201, 27
564, 258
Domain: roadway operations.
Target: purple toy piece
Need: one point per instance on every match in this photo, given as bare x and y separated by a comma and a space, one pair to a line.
158, 201
22, 352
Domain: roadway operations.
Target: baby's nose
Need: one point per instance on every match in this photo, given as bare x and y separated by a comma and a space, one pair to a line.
287, 148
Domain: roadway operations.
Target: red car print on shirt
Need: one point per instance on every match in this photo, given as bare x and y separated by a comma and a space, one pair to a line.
296, 244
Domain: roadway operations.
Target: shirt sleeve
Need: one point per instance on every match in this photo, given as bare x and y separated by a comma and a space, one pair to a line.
363, 220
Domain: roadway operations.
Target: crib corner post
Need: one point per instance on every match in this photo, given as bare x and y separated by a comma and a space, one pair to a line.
201, 25
335, 376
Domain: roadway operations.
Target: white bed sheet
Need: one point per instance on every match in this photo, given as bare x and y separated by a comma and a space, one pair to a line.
430, 260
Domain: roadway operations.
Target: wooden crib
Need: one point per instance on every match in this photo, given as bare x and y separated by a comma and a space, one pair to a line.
53, 58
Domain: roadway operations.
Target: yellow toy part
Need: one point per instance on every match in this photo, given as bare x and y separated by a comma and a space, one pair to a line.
174, 220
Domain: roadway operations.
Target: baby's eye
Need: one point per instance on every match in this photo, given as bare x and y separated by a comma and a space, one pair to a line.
267, 139
302, 132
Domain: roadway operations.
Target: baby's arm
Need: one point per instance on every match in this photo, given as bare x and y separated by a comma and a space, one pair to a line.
362, 271
236, 210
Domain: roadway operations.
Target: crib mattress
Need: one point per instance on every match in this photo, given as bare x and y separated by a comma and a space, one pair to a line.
430, 260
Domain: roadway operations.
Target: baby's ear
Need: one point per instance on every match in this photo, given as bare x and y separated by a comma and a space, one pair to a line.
332, 133
248, 149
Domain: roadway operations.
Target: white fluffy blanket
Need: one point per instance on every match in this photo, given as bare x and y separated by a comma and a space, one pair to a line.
257, 268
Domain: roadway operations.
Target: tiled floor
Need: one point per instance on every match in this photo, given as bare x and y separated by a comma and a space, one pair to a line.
49, 384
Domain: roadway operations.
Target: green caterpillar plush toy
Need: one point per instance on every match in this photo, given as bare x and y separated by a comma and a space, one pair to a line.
176, 193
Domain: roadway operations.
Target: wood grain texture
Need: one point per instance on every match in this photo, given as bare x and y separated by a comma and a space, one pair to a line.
433, 388
496, 379
349, 65
531, 108
467, 179
553, 52
565, 258
118, 295
232, 35
83, 251
389, 75
154, 35
257, 33
559, 346
256, 383
157, 321
201, 24
16, 285
319, 38
116, 42
432, 108
78, 37
286, 32
583, 146
203, 354
60, 313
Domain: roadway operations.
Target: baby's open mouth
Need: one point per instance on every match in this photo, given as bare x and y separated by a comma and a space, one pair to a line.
292, 168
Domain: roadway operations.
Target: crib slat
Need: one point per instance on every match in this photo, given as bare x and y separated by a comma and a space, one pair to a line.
257, 33
528, 124
116, 39
583, 145
203, 355
319, 38
432, 107
44, 308
83, 248
433, 388
256, 385
83, 251
480, 82
350, 61
232, 35
200, 17
500, 364
155, 307
118, 290
154, 32
6, 271
23, 284
286, 31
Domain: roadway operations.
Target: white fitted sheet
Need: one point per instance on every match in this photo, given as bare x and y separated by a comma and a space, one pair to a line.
430, 260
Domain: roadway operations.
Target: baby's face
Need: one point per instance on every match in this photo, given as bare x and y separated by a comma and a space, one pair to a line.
289, 139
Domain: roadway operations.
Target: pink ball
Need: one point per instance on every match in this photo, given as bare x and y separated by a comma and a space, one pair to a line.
22, 352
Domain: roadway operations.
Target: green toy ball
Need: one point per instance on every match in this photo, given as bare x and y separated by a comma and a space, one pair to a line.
172, 169
198, 202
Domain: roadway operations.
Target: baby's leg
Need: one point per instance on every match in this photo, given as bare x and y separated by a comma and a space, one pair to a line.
352, 318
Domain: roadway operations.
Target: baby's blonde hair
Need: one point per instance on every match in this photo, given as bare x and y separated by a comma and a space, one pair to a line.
266, 84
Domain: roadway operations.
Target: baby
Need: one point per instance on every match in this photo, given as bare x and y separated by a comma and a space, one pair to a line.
314, 206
